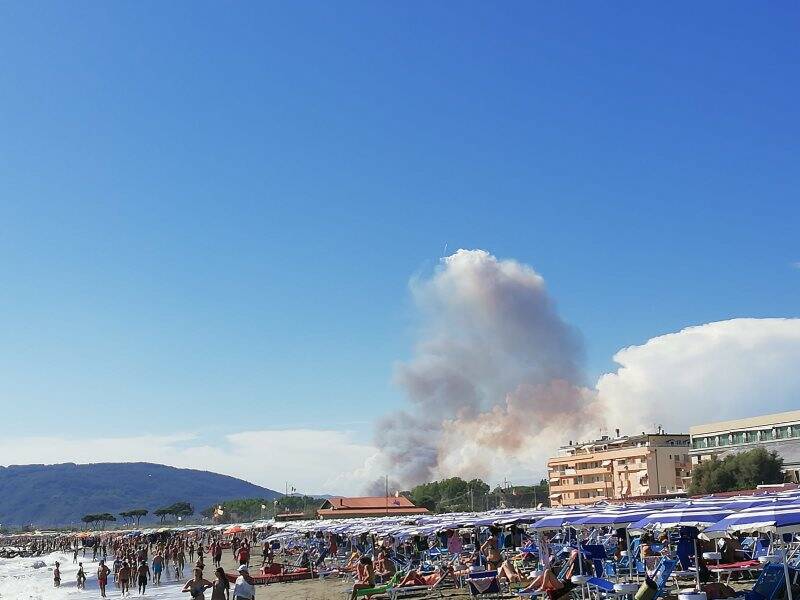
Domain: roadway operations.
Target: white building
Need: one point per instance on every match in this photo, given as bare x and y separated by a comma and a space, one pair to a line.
779, 433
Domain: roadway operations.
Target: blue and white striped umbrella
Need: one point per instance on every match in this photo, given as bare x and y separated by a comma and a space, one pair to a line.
613, 518
780, 516
693, 515
559, 520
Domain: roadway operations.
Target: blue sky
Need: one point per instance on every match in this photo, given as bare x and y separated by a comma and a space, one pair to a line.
208, 206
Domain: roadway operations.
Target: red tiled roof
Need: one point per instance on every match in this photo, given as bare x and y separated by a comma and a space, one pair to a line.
368, 512
377, 502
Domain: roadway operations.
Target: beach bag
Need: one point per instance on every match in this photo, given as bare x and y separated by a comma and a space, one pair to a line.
647, 591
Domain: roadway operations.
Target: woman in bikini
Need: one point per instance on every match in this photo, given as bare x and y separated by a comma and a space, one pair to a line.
197, 586
490, 551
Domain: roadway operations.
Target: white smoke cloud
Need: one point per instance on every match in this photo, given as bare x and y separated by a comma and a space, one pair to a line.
496, 378
712, 372
496, 382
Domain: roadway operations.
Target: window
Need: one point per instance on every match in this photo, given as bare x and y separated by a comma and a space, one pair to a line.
723, 440
739, 437
766, 434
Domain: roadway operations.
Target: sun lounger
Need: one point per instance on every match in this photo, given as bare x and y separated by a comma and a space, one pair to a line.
483, 584
744, 566
402, 591
380, 590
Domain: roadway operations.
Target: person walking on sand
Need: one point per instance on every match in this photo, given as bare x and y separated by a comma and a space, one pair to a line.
142, 577
102, 577
57, 575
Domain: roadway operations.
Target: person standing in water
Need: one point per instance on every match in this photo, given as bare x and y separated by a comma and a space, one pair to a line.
81, 577
124, 578
142, 577
102, 577
197, 586
57, 575
158, 566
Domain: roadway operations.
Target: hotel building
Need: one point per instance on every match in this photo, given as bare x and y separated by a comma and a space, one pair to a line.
616, 468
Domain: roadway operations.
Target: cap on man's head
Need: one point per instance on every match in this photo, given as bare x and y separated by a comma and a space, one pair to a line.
243, 569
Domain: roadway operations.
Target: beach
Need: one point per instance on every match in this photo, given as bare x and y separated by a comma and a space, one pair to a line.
20, 581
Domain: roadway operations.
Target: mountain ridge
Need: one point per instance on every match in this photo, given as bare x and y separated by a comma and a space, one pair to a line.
60, 494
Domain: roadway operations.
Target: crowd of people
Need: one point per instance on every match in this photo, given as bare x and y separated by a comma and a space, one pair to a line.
130, 563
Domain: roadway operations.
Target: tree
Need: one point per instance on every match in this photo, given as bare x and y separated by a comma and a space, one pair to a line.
450, 495
249, 509
741, 471
105, 518
179, 509
137, 514
89, 519
524, 496
162, 513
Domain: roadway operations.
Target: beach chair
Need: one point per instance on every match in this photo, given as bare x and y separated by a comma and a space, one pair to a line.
483, 584
771, 583
399, 591
596, 554
662, 574
380, 590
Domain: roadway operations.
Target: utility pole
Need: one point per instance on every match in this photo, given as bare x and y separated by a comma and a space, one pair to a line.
387, 494
471, 500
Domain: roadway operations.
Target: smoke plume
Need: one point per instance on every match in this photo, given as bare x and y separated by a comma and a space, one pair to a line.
496, 380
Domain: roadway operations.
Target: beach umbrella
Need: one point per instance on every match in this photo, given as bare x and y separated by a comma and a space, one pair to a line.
692, 515
559, 520
697, 515
234, 529
779, 517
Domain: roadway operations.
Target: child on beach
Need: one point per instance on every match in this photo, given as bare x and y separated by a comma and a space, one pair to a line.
81, 577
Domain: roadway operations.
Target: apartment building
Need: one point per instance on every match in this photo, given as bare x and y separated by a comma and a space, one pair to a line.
619, 467
777, 432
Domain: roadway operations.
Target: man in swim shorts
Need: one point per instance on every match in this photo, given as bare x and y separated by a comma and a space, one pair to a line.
142, 577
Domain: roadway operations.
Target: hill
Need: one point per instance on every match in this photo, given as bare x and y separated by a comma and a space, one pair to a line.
49, 495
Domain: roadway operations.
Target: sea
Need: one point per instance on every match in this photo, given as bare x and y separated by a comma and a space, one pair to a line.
19, 580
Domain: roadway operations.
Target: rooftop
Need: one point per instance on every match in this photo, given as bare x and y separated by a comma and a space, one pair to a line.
747, 423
